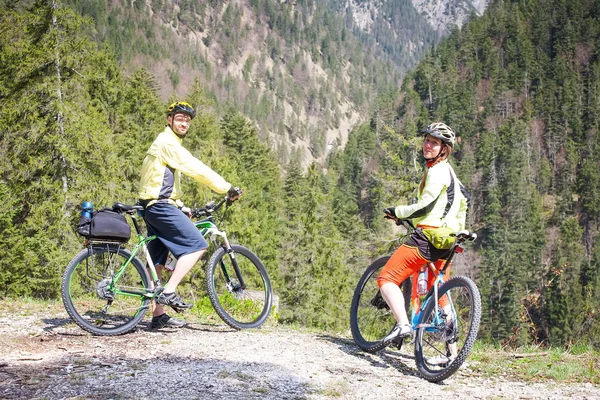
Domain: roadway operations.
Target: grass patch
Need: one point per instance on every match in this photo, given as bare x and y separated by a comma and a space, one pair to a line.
27, 306
204, 313
335, 389
138, 366
76, 379
534, 364
224, 374
80, 362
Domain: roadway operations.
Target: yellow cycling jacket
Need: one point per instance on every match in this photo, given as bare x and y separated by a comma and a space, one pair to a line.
443, 201
165, 161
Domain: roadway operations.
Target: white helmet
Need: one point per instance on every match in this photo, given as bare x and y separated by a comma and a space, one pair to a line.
442, 132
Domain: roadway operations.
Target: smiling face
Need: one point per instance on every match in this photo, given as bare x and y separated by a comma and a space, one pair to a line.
180, 123
431, 147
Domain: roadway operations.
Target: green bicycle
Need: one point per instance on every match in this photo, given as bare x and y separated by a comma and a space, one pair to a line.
107, 289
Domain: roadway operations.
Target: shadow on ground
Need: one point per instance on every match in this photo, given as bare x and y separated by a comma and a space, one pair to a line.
66, 327
134, 378
389, 356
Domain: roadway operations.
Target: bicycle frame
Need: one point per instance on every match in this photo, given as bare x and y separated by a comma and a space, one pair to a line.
208, 228
416, 315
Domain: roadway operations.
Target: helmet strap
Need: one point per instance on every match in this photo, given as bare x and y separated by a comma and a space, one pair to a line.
170, 125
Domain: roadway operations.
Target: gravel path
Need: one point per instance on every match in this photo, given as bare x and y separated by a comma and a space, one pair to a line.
50, 358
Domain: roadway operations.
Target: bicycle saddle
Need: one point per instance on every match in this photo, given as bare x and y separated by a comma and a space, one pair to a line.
120, 207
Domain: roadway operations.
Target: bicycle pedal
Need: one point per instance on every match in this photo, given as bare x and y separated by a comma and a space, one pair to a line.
178, 310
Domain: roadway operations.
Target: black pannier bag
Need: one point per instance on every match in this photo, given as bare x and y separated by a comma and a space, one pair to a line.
84, 226
105, 225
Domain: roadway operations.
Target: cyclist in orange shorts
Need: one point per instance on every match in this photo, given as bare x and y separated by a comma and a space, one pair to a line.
442, 201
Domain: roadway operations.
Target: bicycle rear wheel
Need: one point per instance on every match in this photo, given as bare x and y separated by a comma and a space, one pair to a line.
96, 299
241, 300
370, 317
443, 343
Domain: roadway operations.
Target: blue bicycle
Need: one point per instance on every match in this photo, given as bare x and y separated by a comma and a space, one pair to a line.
445, 321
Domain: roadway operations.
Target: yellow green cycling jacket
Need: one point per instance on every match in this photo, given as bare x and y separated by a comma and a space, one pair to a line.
163, 165
442, 202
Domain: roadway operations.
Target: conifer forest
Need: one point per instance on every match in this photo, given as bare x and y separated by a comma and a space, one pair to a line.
520, 86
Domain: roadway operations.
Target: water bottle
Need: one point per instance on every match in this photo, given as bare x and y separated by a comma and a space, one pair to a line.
85, 218
86, 209
422, 282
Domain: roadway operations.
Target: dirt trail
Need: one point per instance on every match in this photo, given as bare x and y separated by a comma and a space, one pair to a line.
51, 358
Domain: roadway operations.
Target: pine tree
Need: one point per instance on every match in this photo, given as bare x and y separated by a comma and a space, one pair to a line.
138, 116
57, 148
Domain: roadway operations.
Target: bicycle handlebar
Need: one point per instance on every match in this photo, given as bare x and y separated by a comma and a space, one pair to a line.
210, 208
407, 223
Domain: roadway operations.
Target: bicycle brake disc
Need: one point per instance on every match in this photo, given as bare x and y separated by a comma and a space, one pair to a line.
451, 333
378, 302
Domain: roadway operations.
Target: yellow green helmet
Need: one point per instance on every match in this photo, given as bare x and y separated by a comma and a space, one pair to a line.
181, 107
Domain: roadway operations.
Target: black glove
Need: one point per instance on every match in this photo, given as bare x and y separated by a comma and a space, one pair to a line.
234, 192
390, 212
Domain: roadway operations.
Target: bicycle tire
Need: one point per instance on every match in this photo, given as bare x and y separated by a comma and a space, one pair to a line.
240, 308
86, 290
435, 342
370, 317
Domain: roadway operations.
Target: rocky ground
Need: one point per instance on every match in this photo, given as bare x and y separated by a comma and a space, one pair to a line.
43, 357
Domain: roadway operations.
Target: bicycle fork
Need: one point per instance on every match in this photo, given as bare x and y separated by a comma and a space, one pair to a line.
231, 286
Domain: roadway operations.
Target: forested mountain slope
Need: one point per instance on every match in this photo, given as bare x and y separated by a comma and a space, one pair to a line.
519, 85
306, 72
443, 16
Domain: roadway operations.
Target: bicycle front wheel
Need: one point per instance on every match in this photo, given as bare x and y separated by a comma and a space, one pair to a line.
101, 298
370, 317
444, 339
239, 287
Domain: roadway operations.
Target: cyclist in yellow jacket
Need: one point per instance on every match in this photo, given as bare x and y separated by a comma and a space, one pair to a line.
160, 194
442, 201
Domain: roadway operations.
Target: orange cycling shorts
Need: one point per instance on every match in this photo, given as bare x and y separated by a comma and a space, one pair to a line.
407, 261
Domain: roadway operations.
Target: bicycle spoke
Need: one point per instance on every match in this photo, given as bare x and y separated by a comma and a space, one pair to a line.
240, 306
370, 317
448, 333
95, 300
432, 345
